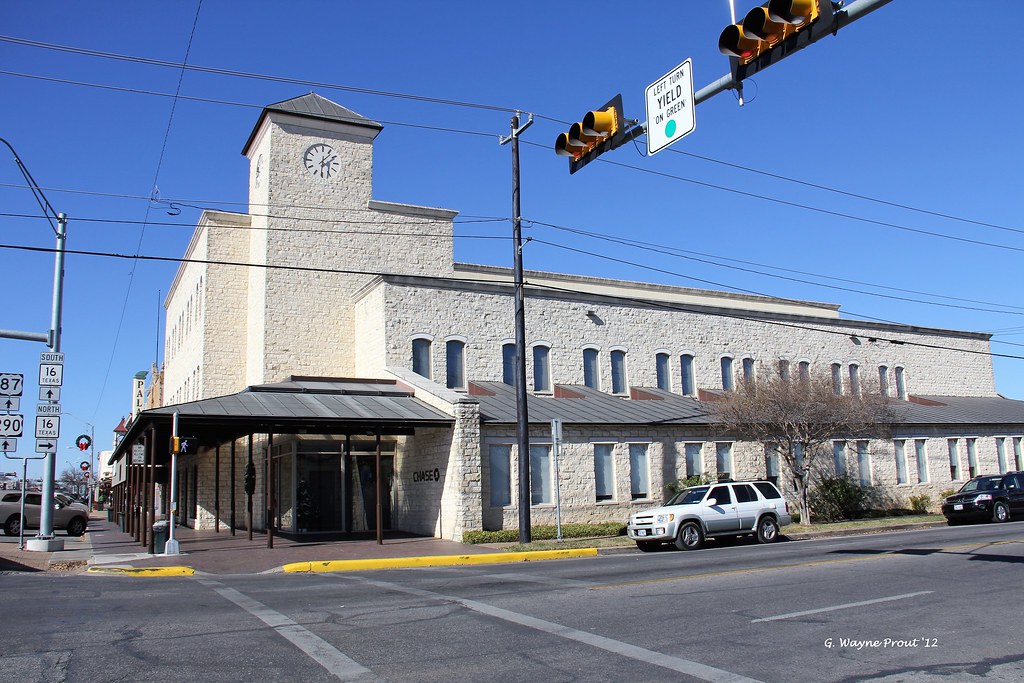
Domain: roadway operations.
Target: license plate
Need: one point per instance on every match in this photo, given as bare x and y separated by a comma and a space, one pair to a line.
958, 506
641, 532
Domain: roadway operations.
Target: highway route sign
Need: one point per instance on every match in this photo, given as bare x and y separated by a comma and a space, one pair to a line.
11, 425
47, 426
11, 383
51, 375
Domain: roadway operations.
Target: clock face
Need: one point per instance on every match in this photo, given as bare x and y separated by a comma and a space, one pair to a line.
321, 161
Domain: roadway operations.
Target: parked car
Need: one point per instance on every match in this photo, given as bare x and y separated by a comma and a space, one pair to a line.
696, 513
69, 516
990, 497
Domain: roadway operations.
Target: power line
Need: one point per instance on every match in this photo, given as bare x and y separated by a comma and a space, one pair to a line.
668, 305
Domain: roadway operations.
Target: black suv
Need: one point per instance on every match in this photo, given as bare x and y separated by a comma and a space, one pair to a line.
995, 497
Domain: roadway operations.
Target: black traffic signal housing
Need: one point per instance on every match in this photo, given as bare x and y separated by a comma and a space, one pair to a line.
773, 31
600, 130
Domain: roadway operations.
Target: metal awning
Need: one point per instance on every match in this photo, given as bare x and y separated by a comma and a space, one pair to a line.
300, 405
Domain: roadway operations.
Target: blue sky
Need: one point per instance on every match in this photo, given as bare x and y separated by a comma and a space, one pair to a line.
879, 116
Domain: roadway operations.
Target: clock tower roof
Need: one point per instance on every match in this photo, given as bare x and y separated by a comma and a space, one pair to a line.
313, 106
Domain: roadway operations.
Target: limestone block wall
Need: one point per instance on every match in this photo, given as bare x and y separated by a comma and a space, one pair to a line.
185, 321
485, 319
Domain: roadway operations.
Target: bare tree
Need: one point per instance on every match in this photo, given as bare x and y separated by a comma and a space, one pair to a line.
800, 419
72, 479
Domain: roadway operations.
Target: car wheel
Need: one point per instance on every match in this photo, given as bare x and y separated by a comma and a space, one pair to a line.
690, 536
76, 527
1000, 513
647, 546
12, 527
953, 522
767, 530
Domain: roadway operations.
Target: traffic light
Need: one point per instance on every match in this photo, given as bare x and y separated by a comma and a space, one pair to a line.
600, 130
772, 31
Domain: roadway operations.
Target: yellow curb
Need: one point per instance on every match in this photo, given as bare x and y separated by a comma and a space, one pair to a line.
144, 571
435, 561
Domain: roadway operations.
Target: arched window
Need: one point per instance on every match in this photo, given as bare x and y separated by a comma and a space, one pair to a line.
803, 371
591, 371
728, 379
748, 370
854, 379
618, 358
883, 380
421, 356
837, 379
508, 363
541, 368
784, 369
901, 385
662, 369
455, 363
688, 384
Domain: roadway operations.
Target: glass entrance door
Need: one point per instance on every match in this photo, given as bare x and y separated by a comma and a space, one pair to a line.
318, 492
364, 488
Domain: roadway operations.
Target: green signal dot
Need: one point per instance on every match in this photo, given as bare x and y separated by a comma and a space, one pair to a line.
670, 128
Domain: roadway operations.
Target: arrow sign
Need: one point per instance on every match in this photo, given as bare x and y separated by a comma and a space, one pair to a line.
46, 446
10, 403
49, 393
8, 446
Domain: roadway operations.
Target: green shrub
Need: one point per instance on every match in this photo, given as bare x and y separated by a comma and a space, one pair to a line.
837, 498
546, 533
946, 494
920, 504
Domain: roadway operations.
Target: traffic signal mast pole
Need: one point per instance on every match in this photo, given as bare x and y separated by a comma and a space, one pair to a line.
840, 19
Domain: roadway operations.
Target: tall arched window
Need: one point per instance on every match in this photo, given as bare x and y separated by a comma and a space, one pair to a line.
421, 356
618, 358
688, 384
784, 369
508, 363
662, 368
455, 363
591, 370
748, 370
901, 385
541, 368
837, 379
854, 379
803, 371
728, 379
883, 380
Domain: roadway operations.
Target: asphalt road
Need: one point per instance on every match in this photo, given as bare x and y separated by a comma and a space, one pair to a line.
935, 605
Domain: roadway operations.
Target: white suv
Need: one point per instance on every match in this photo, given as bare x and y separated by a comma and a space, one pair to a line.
732, 508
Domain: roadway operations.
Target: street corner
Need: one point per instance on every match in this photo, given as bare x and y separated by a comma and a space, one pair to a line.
142, 572
326, 566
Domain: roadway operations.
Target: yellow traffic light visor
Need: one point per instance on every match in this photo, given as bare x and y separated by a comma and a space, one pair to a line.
758, 24
734, 43
600, 123
795, 12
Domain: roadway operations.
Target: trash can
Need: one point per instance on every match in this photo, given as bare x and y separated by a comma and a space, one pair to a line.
160, 536
120, 521
110, 514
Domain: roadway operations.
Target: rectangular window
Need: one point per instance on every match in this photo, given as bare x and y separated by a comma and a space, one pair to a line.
500, 478
456, 360
639, 479
771, 464
591, 376
954, 459
661, 366
604, 472
421, 357
901, 462
972, 458
541, 369
540, 475
863, 463
723, 460
1001, 453
688, 385
694, 465
803, 370
508, 364
921, 451
728, 380
1017, 464
618, 372
839, 457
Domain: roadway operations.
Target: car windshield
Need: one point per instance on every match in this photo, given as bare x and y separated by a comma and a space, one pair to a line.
982, 484
689, 496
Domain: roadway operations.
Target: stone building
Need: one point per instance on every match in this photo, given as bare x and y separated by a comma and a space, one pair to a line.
354, 356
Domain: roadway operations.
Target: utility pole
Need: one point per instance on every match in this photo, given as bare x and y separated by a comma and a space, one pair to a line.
522, 416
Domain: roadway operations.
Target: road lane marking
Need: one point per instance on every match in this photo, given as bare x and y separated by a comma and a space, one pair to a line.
315, 647
833, 608
684, 666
